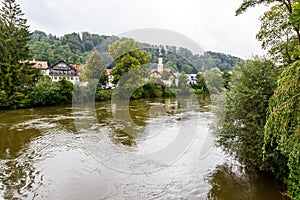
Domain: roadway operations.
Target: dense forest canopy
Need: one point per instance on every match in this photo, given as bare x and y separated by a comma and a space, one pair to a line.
76, 47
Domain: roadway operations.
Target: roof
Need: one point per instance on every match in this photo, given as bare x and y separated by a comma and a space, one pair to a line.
160, 55
38, 64
165, 70
63, 68
108, 71
155, 70
78, 67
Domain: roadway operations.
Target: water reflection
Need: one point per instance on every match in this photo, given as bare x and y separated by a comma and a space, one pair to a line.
128, 120
18, 129
233, 183
43, 155
16, 174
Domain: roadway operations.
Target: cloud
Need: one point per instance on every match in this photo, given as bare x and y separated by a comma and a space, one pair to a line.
211, 24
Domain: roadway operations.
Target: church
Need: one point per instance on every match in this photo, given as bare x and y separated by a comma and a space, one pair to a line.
165, 74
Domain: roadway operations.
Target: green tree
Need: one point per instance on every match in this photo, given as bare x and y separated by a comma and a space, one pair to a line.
129, 72
119, 48
282, 130
253, 83
200, 84
226, 79
127, 56
292, 6
278, 36
214, 81
94, 67
183, 83
14, 36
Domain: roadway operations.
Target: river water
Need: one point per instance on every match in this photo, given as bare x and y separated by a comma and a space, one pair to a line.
144, 149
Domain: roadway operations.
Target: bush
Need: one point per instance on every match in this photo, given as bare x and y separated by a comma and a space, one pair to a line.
104, 95
242, 132
48, 93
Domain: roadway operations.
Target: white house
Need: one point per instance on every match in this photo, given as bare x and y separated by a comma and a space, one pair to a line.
61, 70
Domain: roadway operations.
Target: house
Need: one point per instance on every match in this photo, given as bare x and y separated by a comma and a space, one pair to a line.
42, 65
110, 78
61, 70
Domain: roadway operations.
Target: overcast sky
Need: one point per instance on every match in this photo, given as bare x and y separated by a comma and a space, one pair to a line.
210, 23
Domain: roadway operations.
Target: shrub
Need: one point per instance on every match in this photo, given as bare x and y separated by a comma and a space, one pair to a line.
241, 135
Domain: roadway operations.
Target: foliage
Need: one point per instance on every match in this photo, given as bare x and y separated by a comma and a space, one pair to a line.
241, 134
182, 59
119, 48
129, 72
14, 35
104, 95
200, 85
284, 18
278, 36
214, 81
183, 84
282, 130
226, 79
74, 48
48, 93
220, 60
94, 67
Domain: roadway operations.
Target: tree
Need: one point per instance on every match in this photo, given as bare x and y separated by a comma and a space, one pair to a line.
214, 81
278, 36
14, 36
183, 83
292, 7
129, 72
282, 130
119, 48
226, 79
127, 56
241, 135
93, 68
200, 83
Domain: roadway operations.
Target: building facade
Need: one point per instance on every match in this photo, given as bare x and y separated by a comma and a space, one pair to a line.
61, 70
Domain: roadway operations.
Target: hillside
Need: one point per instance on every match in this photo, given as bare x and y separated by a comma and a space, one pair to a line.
76, 47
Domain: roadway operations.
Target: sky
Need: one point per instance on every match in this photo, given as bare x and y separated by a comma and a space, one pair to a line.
212, 24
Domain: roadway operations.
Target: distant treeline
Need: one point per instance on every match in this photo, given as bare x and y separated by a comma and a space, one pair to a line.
75, 48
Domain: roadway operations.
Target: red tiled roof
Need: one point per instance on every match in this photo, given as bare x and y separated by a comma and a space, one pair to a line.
39, 64
78, 67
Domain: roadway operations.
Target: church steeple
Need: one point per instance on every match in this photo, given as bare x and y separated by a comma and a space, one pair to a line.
160, 65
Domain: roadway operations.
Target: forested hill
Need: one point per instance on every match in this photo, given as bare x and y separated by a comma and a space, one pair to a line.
76, 47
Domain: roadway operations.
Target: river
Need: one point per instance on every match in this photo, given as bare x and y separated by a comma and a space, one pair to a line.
149, 149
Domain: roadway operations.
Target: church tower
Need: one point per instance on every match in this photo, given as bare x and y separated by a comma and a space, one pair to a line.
160, 65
